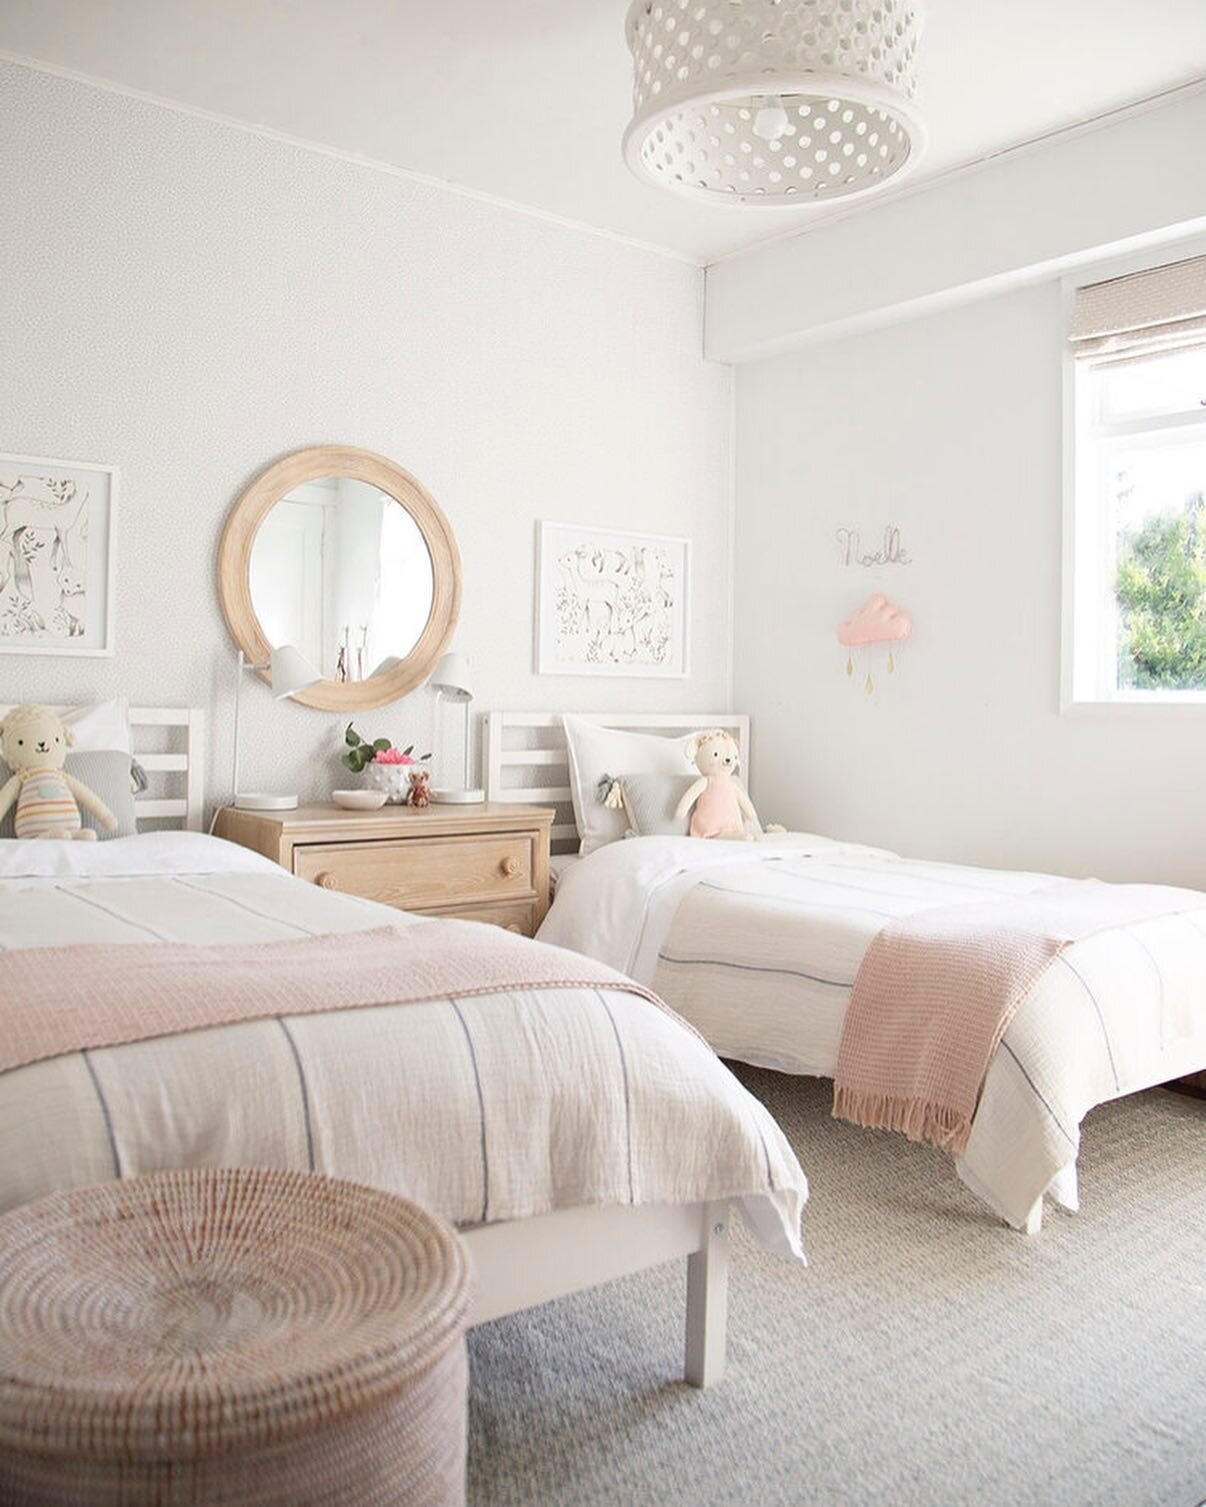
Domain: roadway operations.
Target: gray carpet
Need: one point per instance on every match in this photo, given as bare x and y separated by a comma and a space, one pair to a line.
928, 1356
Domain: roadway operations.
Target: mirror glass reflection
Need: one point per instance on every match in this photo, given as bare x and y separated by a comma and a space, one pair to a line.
341, 570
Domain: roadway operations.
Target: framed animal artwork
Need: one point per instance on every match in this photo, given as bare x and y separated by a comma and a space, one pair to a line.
611, 603
56, 556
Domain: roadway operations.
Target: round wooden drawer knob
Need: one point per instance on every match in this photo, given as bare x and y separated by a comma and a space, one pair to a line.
510, 866
326, 881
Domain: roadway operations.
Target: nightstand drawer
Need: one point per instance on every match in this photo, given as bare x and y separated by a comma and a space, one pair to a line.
424, 874
517, 916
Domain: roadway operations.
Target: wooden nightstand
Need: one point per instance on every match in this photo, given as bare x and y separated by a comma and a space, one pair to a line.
482, 863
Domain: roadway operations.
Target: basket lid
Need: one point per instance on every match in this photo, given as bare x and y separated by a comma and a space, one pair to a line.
188, 1313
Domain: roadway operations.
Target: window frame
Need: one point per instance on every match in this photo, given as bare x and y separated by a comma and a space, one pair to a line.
1087, 657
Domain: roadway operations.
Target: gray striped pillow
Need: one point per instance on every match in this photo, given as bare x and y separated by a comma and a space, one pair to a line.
106, 772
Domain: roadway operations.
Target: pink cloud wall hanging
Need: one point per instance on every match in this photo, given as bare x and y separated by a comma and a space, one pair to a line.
876, 622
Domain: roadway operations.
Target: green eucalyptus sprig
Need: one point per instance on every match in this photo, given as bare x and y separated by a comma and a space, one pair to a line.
359, 753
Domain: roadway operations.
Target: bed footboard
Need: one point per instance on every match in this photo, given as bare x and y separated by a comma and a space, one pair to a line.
523, 1262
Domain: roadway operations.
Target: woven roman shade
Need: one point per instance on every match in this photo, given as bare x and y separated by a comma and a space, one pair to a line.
1156, 312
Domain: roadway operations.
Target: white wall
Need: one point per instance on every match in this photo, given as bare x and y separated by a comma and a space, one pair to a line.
190, 301
950, 427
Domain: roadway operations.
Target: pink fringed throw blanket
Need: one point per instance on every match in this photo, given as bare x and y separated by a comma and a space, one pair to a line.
65, 999
936, 991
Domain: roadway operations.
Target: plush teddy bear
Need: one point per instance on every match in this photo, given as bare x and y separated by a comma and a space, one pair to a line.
718, 805
35, 743
419, 794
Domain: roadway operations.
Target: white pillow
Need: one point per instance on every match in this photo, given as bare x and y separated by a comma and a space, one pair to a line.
103, 725
595, 751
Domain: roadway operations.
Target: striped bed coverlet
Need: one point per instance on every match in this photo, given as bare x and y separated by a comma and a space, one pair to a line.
759, 948
484, 1108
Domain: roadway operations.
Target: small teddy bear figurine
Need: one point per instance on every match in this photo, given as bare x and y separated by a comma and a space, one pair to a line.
419, 794
718, 805
35, 743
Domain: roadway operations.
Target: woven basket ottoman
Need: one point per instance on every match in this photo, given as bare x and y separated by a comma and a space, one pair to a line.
245, 1337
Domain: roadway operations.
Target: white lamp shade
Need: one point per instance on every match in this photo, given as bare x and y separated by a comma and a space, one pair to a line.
452, 677
773, 102
289, 671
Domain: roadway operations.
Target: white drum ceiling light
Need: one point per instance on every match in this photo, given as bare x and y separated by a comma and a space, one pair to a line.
773, 102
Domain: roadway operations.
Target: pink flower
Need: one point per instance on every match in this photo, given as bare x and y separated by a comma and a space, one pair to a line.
393, 756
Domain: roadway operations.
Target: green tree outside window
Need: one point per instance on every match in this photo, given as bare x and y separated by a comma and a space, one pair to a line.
1161, 594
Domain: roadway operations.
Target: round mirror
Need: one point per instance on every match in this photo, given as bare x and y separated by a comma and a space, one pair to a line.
343, 555
342, 572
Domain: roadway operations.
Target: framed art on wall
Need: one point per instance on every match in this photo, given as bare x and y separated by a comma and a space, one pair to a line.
56, 556
611, 603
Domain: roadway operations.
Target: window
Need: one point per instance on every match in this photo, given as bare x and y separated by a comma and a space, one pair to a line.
1138, 536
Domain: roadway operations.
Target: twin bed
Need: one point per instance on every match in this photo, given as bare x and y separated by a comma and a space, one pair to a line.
574, 1134
758, 946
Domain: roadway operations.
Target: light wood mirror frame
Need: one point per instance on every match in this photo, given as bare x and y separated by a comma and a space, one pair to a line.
234, 570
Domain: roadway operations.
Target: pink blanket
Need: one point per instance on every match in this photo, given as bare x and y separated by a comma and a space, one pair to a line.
936, 991
65, 999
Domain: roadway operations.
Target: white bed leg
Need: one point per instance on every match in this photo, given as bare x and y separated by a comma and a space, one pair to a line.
1034, 1220
1065, 1188
708, 1300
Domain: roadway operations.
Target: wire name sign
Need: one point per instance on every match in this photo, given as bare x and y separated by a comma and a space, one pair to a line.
891, 550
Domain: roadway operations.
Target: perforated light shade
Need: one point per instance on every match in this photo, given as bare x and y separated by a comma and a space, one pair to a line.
843, 71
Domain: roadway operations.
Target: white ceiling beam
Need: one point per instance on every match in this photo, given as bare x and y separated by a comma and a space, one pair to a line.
1019, 218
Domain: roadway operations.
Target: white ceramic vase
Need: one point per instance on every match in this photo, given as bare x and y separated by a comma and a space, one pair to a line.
394, 779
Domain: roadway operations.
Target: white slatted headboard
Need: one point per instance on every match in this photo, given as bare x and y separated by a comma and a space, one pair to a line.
527, 763
189, 808
189, 761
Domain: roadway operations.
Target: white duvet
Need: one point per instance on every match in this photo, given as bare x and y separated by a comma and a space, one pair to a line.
758, 944
489, 1108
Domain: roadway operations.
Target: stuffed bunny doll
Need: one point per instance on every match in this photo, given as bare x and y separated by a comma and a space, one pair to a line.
35, 743
718, 805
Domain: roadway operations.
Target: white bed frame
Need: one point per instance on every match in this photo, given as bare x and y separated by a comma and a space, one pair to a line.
522, 1262
527, 762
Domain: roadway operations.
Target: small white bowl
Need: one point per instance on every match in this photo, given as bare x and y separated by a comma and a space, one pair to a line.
359, 800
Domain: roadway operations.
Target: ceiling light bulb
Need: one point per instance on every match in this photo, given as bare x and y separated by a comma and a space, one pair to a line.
771, 120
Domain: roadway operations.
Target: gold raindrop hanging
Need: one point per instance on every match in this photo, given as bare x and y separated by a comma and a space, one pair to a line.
849, 664
891, 662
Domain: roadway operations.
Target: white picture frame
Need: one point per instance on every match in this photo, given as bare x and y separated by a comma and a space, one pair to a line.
611, 602
57, 556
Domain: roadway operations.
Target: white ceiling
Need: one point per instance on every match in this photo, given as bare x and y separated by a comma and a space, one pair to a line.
527, 99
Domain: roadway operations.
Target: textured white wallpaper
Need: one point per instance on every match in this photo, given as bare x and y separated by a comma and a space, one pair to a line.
189, 301
962, 754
